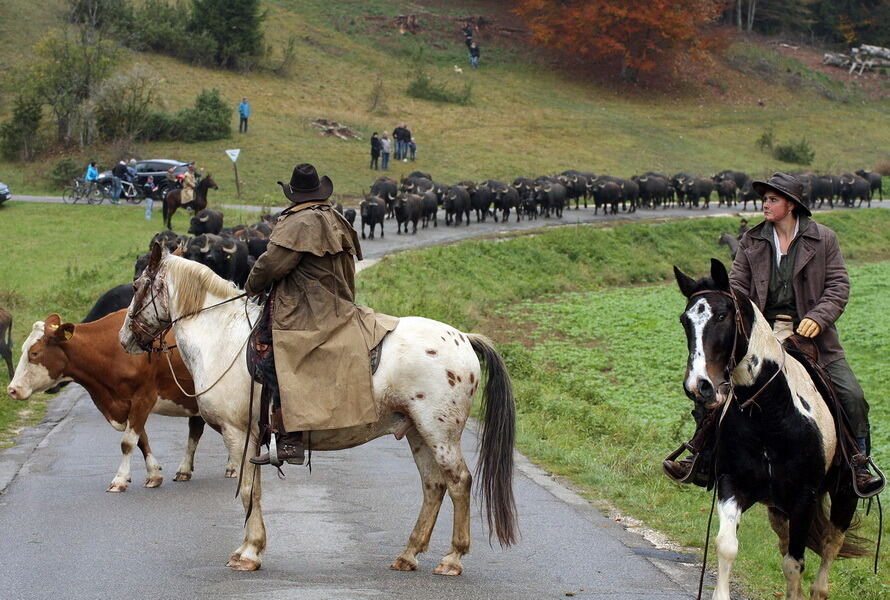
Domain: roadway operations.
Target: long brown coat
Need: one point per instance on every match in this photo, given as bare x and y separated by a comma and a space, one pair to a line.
188, 188
321, 338
820, 280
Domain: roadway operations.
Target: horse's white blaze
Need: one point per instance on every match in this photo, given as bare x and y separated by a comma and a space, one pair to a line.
30, 378
169, 408
698, 314
730, 513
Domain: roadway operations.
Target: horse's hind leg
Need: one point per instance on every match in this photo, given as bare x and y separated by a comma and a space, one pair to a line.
843, 507
433, 483
779, 522
448, 455
196, 429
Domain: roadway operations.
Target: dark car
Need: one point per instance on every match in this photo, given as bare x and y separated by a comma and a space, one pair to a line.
4, 193
155, 167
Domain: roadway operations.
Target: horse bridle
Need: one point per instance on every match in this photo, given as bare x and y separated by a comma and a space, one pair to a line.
733, 360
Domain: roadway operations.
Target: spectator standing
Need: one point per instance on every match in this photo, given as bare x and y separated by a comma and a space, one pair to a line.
375, 150
385, 148
406, 138
244, 113
468, 35
149, 190
131, 171
412, 149
474, 55
118, 173
398, 137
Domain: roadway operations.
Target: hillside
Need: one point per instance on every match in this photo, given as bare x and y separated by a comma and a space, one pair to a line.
527, 116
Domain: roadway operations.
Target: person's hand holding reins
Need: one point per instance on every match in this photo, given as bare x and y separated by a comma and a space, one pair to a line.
808, 328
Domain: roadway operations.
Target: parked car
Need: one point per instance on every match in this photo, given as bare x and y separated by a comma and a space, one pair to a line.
4, 193
155, 167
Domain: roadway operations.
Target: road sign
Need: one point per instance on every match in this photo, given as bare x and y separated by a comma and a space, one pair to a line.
233, 154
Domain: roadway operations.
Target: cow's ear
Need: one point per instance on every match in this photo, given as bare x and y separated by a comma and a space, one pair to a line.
60, 333
686, 283
51, 323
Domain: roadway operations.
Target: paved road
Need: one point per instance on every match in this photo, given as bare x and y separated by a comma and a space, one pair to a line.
332, 533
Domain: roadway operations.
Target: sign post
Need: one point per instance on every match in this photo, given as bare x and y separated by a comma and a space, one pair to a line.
233, 154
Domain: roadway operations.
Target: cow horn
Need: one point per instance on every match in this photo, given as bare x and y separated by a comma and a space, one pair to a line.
206, 248
231, 250
643, 179
204, 219
548, 188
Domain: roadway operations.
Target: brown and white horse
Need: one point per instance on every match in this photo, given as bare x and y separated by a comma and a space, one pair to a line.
423, 390
780, 448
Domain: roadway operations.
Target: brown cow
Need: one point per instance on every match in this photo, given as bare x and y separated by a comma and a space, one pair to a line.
125, 388
6, 339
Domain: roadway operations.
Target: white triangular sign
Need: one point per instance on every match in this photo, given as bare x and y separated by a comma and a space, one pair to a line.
233, 154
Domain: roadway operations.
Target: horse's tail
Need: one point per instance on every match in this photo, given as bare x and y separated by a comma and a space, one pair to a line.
164, 205
495, 467
855, 546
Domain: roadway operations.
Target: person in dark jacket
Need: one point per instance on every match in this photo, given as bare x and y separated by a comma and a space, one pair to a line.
118, 173
400, 142
375, 150
474, 55
791, 267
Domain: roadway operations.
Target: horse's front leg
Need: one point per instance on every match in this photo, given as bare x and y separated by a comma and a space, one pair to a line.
196, 430
433, 483
247, 556
729, 510
800, 518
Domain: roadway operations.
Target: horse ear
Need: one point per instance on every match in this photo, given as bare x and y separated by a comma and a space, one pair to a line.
155, 256
686, 283
719, 274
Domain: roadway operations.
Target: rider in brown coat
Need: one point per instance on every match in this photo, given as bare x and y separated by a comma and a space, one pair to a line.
320, 337
791, 267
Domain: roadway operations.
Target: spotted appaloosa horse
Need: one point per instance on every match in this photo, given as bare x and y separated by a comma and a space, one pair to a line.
423, 389
778, 451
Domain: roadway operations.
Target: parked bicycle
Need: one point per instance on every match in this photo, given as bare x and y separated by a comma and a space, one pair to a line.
129, 192
82, 189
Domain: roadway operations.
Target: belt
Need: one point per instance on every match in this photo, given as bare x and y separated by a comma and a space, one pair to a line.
787, 318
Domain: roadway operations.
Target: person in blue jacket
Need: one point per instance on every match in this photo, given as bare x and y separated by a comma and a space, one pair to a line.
91, 176
244, 112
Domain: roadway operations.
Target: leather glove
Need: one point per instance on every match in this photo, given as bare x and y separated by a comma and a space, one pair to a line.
808, 328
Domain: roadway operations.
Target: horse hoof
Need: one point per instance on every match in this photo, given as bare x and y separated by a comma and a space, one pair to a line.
231, 474
448, 569
243, 564
117, 488
403, 564
180, 476
153, 482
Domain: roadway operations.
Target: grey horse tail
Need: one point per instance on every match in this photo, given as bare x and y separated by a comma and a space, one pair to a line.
494, 469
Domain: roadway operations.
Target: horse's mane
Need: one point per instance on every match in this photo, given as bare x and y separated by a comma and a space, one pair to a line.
203, 184
193, 282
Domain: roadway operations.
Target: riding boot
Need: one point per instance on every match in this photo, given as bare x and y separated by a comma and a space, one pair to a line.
288, 449
867, 485
692, 469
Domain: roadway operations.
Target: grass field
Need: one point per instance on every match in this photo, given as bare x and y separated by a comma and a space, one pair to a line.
526, 117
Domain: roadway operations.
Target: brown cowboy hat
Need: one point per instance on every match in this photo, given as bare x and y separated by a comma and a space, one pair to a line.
787, 186
305, 185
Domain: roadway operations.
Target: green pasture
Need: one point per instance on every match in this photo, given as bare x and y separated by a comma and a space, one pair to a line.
527, 117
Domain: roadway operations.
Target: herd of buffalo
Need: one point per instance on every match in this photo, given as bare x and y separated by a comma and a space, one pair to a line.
417, 198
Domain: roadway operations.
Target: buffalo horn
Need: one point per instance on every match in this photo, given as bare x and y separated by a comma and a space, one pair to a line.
231, 250
206, 248
204, 219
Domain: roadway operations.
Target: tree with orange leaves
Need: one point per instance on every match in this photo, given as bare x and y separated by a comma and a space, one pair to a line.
637, 35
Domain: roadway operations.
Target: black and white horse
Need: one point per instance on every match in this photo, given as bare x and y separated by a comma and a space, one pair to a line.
778, 450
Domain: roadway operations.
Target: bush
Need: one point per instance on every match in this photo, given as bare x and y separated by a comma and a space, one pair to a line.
798, 153
65, 170
423, 87
210, 119
123, 103
765, 141
18, 136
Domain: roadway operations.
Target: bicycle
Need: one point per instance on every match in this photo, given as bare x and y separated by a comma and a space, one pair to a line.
81, 190
129, 192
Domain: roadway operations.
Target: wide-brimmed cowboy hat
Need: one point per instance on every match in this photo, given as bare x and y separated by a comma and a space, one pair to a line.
787, 186
305, 185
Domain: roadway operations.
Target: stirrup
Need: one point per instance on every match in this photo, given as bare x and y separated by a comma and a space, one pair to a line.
865, 462
684, 447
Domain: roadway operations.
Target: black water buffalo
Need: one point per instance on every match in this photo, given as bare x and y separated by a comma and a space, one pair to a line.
874, 180
457, 205
816, 187
678, 182
168, 238
726, 191
349, 215
206, 221
481, 197
372, 211
386, 189
748, 194
111, 301
606, 195
551, 197
407, 209
576, 184
853, 187
429, 209
416, 185
226, 256
524, 186
740, 178
696, 189
654, 189
506, 197
420, 174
